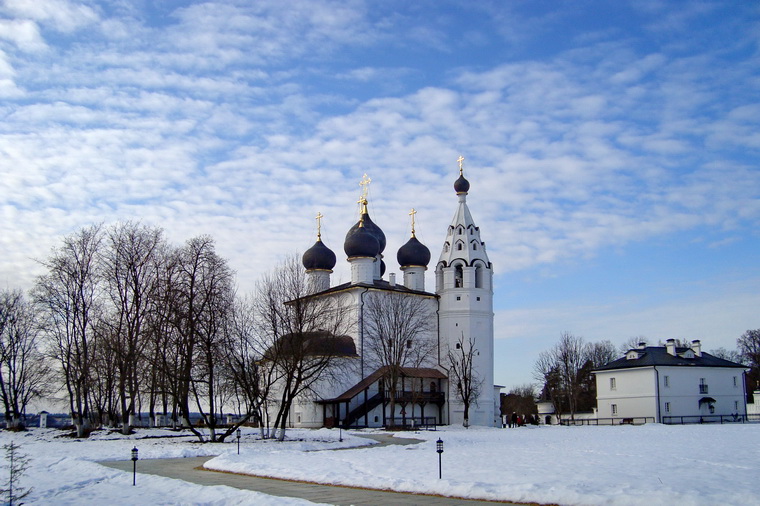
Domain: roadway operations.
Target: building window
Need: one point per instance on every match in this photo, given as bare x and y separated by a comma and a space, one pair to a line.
702, 386
736, 382
408, 343
736, 405
613, 384
459, 346
478, 298
613, 408
459, 298
667, 381
667, 407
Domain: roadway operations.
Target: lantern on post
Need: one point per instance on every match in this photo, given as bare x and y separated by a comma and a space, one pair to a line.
238, 439
134, 466
439, 450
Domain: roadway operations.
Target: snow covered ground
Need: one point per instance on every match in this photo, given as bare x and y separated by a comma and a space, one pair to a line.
622, 465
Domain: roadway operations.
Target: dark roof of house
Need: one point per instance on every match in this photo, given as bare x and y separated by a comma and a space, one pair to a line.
409, 372
658, 355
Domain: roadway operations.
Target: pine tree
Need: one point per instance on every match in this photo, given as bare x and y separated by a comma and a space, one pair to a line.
17, 464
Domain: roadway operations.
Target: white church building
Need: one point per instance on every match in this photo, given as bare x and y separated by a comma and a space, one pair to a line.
460, 309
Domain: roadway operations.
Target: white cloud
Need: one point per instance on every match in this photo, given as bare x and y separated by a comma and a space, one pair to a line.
62, 15
23, 33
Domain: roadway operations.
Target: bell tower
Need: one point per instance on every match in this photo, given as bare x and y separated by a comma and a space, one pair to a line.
464, 278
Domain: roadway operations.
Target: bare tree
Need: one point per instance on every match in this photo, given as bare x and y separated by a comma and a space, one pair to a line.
68, 298
467, 383
249, 379
398, 331
129, 270
749, 348
725, 354
204, 292
631, 343
520, 399
24, 373
561, 368
304, 335
601, 353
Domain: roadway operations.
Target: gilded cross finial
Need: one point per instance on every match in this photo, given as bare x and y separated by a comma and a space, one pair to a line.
412, 213
460, 160
319, 225
364, 183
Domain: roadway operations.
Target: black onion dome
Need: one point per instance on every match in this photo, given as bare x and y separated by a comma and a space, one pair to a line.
319, 256
382, 268
361, 243
413, 253
461, 185
372, 228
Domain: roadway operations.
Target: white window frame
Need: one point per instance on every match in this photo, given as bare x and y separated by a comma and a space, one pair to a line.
666, 381
613, 384
613, 409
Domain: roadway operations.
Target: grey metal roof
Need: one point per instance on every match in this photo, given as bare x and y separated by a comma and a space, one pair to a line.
658, 355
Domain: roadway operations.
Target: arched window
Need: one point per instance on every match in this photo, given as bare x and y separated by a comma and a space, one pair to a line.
458, 276
459, 246
475, 246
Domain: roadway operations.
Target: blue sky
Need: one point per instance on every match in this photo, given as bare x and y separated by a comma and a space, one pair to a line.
612, 147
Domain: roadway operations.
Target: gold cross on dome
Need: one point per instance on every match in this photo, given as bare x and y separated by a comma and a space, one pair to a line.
460, 160
412, 213
319, 225
364, 183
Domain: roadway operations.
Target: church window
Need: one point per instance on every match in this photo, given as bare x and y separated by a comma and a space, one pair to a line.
408, 343
459, 246
474, 246
446, 247
459, 346
458, 275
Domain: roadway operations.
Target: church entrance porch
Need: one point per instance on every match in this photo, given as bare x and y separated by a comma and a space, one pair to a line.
418, 401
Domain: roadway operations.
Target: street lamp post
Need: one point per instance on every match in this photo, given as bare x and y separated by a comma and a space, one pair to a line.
439, 450
238, 438
134, 466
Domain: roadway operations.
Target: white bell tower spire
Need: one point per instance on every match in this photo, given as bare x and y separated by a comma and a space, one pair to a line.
464, 283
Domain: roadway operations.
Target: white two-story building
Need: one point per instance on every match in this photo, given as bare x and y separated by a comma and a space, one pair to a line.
671, 385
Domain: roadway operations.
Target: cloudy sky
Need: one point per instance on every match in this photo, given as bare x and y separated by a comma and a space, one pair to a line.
612, 147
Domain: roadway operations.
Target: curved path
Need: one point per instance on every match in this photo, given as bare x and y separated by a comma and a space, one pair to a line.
191, 469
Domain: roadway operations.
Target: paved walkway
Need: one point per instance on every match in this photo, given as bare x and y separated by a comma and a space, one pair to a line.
190, 469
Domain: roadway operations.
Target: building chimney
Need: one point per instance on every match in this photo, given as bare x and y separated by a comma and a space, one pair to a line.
670, 346
642, 345
392, 279
696, 347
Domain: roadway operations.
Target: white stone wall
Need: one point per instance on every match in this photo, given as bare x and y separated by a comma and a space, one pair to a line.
633, 393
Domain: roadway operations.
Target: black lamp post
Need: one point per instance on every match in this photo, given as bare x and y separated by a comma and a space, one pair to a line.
439, 450
238, 438
134, 466
340, 431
